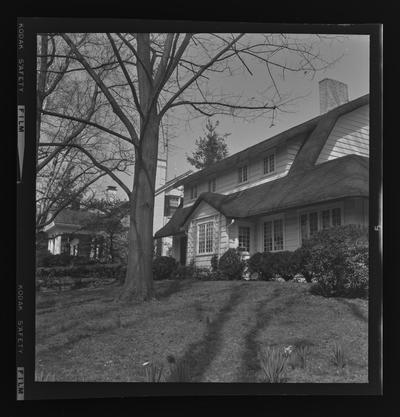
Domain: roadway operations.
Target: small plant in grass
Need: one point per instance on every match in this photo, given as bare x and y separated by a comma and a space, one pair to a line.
338, 356
273, 363
153, 372
179, 371
44, 377
301, 354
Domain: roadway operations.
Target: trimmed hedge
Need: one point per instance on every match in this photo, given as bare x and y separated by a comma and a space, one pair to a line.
56, 276
63, 259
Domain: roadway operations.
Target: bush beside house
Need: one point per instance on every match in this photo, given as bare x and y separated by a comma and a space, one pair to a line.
164, 267
339, 262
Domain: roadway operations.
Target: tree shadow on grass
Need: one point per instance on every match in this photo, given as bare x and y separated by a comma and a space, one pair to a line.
200, 354
250, 364
356, 311
173, 287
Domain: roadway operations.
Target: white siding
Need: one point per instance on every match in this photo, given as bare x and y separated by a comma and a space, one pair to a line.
227, 182
350, 135
356, 211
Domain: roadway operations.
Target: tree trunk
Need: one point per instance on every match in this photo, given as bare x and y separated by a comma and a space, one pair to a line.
139, 276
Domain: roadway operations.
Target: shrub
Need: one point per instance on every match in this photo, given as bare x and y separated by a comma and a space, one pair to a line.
285, 264
231, 265
254, 263
338, 259
63, 259
300, 258
214, 263
267, 266
54, 276
357, 273
164, 267
183, 272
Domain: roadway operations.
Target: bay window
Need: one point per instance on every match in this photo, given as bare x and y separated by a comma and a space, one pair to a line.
312, 222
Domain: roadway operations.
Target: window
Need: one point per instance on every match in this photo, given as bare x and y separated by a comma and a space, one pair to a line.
193, 192
244, 238
205, 237
336, 217
267, 236
269, 164
303, 227
278, 235
326, 219
242, 173
309, 223
313, 220
273, 235
212, 185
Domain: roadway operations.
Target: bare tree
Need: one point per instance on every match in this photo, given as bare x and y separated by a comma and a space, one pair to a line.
144, 77
71, 153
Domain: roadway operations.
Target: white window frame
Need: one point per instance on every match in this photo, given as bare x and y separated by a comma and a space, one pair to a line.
267, 157
240, 226
193, 192
209, 221
240, 174
261, 237
212, 185
319, 210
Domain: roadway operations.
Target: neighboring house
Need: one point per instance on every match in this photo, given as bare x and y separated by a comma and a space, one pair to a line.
65, 235
271, 196
169, 197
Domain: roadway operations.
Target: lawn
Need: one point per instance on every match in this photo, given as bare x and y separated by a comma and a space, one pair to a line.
217, 328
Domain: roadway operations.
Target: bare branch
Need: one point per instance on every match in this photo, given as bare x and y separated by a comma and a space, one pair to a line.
116, 108
95, 163
128, 78
197, 75
77, 119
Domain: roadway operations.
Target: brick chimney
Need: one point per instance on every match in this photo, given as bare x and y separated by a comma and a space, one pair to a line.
332, 93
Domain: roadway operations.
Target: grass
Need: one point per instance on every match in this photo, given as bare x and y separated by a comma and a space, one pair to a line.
215, 332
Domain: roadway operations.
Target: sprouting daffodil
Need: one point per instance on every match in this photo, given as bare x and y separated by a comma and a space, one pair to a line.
288, 350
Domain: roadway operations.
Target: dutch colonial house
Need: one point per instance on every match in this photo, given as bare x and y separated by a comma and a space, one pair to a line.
271, 196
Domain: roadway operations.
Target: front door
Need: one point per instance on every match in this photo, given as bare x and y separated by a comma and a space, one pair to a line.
183, 248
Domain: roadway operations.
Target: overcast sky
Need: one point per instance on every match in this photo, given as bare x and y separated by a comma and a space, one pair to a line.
352, 69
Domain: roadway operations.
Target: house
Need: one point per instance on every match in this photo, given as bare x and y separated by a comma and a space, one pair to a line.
271, 196
65, 234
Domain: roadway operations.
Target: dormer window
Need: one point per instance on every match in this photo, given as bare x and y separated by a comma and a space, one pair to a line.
242, 174
212, 185
193, 191
269, 163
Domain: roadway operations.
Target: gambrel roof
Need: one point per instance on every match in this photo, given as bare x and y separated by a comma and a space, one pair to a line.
316, 129
305, 183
